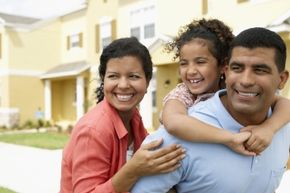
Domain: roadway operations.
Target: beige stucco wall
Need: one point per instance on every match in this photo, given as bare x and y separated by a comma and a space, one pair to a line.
63, 100
26, 93
167, 72
35, 50
73, 24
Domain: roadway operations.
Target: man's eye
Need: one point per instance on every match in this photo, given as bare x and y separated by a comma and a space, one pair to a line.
134, 76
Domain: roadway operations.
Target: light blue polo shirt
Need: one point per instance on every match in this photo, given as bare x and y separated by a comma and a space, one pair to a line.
214, 168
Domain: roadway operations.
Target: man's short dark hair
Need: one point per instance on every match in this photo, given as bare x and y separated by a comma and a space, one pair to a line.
262, 37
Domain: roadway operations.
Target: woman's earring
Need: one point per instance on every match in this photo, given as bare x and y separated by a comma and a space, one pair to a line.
222, 77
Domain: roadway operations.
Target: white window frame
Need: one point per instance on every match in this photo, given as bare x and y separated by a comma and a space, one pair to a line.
74, 40
105, 31
142, 16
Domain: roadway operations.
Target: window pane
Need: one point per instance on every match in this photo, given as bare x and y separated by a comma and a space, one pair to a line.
135, 32
74, 39
106, 41
149, 31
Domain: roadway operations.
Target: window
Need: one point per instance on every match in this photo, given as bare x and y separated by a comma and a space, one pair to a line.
75, 40
106, 34
143, 22
135, 32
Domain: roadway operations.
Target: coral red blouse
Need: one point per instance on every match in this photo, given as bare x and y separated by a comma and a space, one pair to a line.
97, 150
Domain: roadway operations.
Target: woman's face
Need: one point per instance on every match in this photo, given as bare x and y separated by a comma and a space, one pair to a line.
198, 67
124, 83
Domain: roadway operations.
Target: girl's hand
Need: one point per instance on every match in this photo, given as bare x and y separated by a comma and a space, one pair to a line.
237, 143
260, 138
147, 161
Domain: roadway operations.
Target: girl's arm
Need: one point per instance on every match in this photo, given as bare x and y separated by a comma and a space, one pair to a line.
262, 134
147, 162
178, 123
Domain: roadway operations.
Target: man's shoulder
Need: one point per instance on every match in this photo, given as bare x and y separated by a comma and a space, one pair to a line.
161, 132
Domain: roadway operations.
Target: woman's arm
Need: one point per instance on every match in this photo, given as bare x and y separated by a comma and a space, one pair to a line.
262, 134
147, 162
178, 123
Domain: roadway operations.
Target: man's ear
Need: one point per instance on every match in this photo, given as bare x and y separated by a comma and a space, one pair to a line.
283, 79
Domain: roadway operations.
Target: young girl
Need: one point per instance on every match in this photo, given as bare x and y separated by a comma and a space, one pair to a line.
202, 48
98, 157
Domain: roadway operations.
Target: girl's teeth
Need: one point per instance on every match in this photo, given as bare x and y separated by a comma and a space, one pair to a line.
124, 97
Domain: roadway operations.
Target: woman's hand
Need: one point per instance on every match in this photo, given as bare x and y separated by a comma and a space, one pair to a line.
148, 160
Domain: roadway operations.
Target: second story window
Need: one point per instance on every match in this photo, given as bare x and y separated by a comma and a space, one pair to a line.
106, 34
143, 22
75, 40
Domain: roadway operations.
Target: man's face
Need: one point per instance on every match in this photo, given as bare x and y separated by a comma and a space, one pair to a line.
252, 80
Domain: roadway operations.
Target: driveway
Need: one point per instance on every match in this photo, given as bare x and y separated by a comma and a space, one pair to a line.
29, 170
33, 170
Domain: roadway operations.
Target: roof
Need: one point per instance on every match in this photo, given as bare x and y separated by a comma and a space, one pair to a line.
68, 69
8, 18
281, 24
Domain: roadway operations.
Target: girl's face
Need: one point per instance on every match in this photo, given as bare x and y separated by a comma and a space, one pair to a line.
124, 83
198, 67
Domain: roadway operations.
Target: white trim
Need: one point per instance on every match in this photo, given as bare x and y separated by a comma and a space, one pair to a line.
281, 19
47, 99
15, 72
105, 19
80, 96
63, 74
280, 28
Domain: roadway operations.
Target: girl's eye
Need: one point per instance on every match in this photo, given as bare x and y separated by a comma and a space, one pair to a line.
182, 63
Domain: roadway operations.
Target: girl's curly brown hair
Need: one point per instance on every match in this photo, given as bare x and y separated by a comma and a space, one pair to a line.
218, 35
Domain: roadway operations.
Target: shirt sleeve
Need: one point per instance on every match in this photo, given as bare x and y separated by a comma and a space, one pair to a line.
91, 164
157, 183
181, 93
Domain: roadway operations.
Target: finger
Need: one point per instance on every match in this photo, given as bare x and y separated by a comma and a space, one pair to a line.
250, 141
247, 152
243, 136
169, 165
171, 157
152, 145
254, 146
249, 129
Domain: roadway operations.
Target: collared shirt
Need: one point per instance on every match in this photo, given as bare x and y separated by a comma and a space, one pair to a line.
214, 168
183, 94
97, 150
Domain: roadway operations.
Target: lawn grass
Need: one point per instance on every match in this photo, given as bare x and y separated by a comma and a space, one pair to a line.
6, 190
47, 140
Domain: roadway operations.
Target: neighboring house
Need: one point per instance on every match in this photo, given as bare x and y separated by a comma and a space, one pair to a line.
52, 64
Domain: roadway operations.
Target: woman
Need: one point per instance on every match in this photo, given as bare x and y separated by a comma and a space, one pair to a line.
97, 157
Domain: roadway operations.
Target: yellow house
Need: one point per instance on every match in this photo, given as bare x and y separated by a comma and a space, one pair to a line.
52, 64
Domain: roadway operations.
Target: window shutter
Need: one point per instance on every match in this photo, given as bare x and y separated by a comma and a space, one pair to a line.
114, 29
68, 42
80, 40
204, 7
97, 38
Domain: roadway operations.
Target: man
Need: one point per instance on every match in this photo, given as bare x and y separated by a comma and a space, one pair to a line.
255, 72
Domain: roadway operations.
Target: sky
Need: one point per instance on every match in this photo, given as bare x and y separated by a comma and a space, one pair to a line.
38, 8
